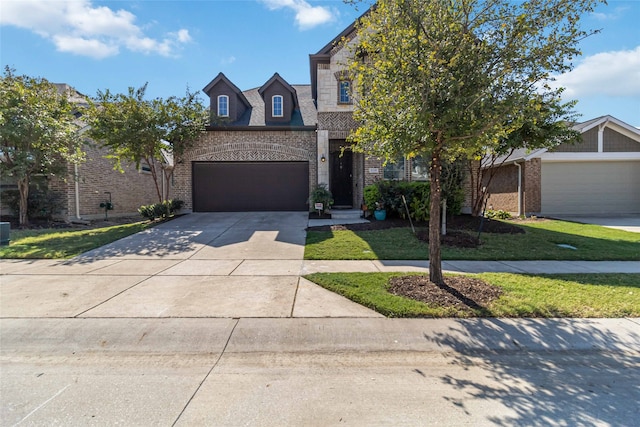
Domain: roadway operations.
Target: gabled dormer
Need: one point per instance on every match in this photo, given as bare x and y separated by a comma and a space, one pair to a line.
227, 102
280, 100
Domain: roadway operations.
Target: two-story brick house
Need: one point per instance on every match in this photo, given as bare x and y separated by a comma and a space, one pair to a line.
268, 147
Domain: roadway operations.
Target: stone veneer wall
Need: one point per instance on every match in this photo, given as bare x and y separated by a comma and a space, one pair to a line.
245, 145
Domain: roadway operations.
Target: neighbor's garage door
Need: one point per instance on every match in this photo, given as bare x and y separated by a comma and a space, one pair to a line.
250, 186
591, 188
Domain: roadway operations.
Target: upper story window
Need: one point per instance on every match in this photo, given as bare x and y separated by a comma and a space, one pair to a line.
276, 109
344, 95
223, 106
395, 170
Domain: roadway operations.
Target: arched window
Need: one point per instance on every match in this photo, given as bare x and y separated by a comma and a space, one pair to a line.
223, 106
345, 92
276, 103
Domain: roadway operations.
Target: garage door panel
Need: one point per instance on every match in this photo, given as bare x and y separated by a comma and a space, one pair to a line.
591, 188
250, 186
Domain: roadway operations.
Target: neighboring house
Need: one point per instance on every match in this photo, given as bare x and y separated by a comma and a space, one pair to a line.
94, 181
598, 176
269, 147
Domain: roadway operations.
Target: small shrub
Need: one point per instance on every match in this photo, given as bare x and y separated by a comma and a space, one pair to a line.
321, 194
41, 203
499, 214
371, 196
165, 209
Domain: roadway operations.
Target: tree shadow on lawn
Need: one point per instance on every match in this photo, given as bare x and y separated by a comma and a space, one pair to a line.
547, 372
499, 240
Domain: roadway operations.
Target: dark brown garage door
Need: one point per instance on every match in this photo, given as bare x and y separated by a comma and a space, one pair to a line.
250, 186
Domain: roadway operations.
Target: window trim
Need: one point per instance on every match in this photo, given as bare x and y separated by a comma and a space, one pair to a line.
273, 106
348, 93
226, 98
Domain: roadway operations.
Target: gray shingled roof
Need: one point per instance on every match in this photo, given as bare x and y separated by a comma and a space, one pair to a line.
305, 115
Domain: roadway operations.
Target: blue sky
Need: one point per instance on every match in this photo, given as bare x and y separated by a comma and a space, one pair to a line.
97, 45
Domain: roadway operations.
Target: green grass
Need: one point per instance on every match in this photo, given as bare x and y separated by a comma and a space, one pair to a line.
567, 295
540, 242
56, 243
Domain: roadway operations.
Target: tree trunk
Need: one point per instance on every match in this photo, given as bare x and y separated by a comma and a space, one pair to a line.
435, 258
23, 188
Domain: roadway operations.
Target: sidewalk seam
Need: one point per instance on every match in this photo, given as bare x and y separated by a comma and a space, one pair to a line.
208, 373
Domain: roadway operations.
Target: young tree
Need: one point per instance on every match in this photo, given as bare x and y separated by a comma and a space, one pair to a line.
139, 130
38, 132
449, 79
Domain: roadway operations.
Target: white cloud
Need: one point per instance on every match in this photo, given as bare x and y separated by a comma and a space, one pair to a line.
615, 73
228, 61
307, 16
618, 12
79, 27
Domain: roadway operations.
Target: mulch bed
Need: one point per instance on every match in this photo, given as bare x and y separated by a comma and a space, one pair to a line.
466, 294
462, 230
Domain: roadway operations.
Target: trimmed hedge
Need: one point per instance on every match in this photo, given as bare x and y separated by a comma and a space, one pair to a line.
388, 195
165, 209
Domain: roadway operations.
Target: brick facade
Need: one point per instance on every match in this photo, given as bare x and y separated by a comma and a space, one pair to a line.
129, 189
245, 145
503, 188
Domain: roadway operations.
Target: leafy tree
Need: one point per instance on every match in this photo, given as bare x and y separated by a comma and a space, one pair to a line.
549, 128
139, 130
38, 132
452, 78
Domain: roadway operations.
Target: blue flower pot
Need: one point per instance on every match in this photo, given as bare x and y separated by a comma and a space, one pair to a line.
380, 214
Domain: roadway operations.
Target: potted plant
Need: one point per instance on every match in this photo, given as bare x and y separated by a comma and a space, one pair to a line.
380, 213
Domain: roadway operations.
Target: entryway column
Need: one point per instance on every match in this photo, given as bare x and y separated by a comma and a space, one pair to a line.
323, 153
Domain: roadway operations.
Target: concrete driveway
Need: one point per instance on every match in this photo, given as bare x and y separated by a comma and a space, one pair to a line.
627, 223
226, 265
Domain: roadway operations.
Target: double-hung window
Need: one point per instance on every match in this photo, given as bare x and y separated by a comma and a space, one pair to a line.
223, 106
276, 106
394, 170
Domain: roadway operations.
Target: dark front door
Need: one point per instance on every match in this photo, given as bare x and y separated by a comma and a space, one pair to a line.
342, 178
250, 186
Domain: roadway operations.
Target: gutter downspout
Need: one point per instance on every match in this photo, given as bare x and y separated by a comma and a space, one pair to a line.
519, 188
77, 185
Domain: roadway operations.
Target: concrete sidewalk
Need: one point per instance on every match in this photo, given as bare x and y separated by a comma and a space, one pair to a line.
299, 372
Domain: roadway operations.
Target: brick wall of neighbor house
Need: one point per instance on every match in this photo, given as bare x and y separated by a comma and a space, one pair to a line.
532, 187
129, 190
265, 145
503, 188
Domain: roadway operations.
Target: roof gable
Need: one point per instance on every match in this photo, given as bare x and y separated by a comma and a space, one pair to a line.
276, 78
222, 79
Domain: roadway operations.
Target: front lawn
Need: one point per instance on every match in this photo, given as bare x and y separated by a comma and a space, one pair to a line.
539, 242
61, 243
567, 295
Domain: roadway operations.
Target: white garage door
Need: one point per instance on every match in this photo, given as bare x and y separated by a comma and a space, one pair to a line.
591, 188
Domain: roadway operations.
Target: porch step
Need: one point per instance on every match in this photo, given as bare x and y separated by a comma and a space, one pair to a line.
346, 214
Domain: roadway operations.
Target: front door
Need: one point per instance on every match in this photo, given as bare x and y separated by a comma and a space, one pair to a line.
342, 178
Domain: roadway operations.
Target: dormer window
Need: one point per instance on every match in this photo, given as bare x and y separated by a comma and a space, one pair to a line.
223, 106
276, 104
344, 95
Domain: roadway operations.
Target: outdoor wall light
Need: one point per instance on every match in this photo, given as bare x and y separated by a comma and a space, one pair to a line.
323, 159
